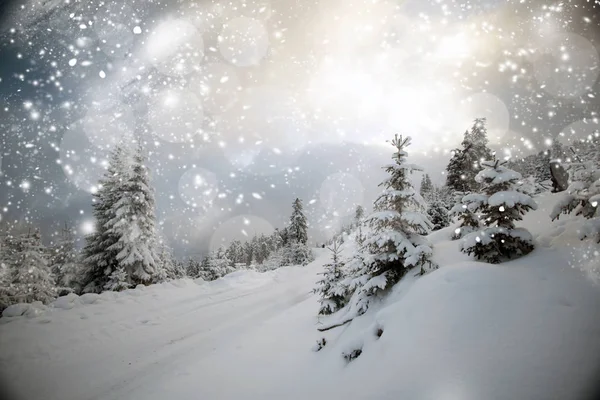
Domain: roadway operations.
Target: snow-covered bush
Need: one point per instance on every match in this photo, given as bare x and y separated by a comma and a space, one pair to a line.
583, 198
500, 205
117, 281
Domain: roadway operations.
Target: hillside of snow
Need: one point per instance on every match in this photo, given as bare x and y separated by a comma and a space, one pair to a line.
526, 329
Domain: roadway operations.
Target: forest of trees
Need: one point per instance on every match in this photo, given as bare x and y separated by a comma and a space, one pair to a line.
126, 250
483, 196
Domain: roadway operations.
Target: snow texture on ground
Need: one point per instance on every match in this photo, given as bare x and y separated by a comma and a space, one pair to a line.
526, 329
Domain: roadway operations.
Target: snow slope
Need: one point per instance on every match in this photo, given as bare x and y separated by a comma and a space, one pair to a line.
527, 329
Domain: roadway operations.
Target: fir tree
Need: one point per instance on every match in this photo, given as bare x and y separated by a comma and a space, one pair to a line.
99, 258
332, 294
438, 214
298, 225
193, 268
359, 214
500, 204
466, 214
427, 190
133, 224
64, 263
479, 150
456, 179
117, 280
29, 273
396, 242
583, 194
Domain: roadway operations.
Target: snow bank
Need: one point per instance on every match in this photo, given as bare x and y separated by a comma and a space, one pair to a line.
525, 329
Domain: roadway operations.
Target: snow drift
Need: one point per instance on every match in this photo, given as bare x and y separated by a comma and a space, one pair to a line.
525, 329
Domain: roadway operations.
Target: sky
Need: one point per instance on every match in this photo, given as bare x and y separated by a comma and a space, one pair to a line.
245, 105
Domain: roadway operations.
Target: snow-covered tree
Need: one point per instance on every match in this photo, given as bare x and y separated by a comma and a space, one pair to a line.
29, 273
456, 176
168, 267
427, 190
99, 257
193, 268
64, 262
466, 214
117, 281
133, 224
332, 294
583, 197
248, 250
501, 204
359, 214
298, 226
216, 265
466, 161
438, 214
395, 242
297, 253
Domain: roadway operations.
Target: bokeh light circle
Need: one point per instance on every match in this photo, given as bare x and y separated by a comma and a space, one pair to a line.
175, 115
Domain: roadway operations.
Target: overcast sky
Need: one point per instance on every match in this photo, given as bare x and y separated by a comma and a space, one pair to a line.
263, 101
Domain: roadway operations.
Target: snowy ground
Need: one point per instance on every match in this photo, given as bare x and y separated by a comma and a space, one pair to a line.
522, 330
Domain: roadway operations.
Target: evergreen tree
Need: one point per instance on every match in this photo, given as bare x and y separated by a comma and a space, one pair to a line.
193, 268
466, 161
332, 294
29, 273
117, 280
64, 263
500, 204
298, 225
168, 268
359, 214
133, 224
296, 253
456, 178
479, 151
396, 242
438, 214
427, 190
466, 214
248, 253
583, 194
99, 257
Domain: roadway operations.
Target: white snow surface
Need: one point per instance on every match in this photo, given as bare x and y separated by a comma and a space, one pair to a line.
526, 329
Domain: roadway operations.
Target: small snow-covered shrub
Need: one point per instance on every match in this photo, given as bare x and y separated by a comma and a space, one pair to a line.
500, 205
352, 355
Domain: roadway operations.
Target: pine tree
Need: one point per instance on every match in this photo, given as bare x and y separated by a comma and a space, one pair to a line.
359, 214
466, 161
396, 242
193, 269
117, 281
29, 273
457, 179
500, 204
583, 194
133, 224
64, 263
298, 225
169, 269
248, 253
479, 150
99, 259
466, 214
427, 189
330, 289
438, 214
